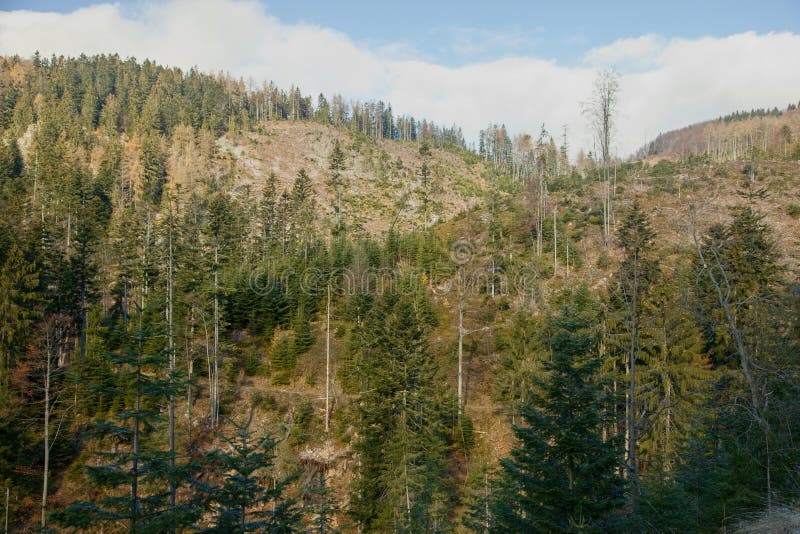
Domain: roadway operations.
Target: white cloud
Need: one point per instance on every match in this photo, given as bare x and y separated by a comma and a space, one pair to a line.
673, 83
632, 53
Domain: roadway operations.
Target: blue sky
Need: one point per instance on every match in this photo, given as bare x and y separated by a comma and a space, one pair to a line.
457, 32
553, 29
522, 64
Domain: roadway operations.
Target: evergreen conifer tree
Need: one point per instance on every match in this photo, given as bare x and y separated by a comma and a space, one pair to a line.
402, 421
136, 480
638, 272
246, 500
562, 476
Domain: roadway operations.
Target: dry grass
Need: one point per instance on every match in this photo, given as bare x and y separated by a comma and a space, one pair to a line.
381, 179
713, 190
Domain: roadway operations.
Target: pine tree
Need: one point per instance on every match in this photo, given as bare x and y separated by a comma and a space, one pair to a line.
323, 521
521, 356
425, 181
11, 164
700, 494
301, 211
282, 359
301, 338
562, 476
267, 214
219, 230
155, 170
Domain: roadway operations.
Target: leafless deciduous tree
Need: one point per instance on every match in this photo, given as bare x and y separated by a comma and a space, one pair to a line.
601, 110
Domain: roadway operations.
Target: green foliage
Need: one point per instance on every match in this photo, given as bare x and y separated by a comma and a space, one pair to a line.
246, 499
743, 257
663, 168
251, 363
11, 165
674, 375
323, 506
710, 487
464, 434
282, 359
135, 482
301, 338
303, 424
119, 146
522, 353
155, 169
749, 344
402, 422
562, 476
638, 270
336, 164
18, 303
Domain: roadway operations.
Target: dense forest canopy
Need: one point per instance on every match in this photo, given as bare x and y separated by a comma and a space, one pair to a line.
126, 96
202, 332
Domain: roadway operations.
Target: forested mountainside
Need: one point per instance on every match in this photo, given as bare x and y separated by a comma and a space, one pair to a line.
226, 309
773, 133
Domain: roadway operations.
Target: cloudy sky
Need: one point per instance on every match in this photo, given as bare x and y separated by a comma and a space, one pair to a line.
518, 63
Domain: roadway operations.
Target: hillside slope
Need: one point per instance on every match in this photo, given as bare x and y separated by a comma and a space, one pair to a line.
774, 134
140, 243
381, 180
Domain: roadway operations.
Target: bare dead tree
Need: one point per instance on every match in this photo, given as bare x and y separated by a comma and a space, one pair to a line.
601, 112
328, 361
54, 333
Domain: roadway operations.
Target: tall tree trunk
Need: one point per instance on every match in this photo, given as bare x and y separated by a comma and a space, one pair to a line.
46, 474
215, 374
171, 348
137, 412
328, 361
189, 374
460, 356
555, 243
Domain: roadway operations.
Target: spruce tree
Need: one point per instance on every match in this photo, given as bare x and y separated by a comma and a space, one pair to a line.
521, 355
336, 166
18, 303
135, 481
323, 507
11, 164
675, 375
638, 272
562, 476
740, 306
301, 338
246, 500
403, 423
282, 359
